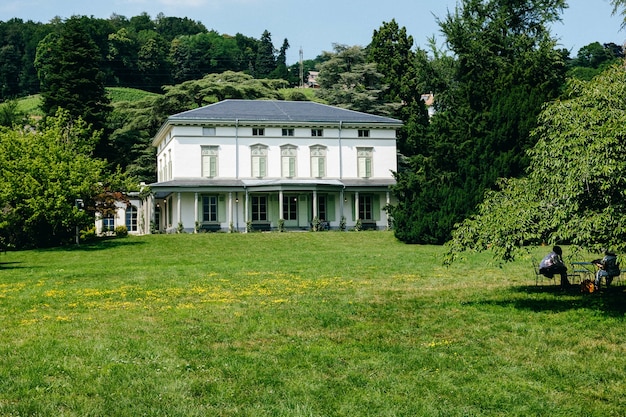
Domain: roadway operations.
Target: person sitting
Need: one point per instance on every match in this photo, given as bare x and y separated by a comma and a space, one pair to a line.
608, 268
552, 264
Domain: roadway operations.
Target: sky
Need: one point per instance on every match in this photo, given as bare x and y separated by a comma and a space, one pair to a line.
315, 26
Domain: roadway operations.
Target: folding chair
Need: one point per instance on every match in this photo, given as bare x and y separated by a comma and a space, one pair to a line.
539, 277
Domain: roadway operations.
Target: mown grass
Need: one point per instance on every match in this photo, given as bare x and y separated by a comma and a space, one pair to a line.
299, 324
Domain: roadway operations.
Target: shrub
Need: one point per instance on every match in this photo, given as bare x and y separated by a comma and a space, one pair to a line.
121, 231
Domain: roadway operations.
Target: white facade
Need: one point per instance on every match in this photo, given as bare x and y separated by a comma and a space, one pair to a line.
260, 164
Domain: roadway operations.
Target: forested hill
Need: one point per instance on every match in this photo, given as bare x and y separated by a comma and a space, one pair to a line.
142, 52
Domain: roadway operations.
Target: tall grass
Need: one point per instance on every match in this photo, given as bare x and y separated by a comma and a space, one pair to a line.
298, 324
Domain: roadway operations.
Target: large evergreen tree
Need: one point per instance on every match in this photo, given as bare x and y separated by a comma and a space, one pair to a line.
507, 66
68, 67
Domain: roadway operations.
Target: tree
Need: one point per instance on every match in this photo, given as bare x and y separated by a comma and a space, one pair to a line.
507, 66
574, 192
265, 61
594, 58
347, 80
391, 52
67, 64
42, 174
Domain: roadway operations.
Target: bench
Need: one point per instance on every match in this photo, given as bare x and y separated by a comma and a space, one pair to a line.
210, 227
369, 226
262, 227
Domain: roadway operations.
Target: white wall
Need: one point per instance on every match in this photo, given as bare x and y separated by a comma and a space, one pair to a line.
186, 142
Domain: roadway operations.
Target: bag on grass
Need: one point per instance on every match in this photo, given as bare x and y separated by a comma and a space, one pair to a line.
587, 286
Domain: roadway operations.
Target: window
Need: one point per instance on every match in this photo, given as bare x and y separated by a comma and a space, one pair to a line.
366, 203
258, 131
259, 161
317, 132
208, 131
287, 132
169, 165
209, 161
364, 159
108, 223
290, 207
131, 219
209, 208
259, 208
318, 161
288, 157
364, 133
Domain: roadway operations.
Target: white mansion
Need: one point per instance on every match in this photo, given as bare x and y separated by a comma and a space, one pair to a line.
257, 163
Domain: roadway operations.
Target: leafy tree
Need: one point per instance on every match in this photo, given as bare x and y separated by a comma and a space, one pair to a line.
574, 190
68, 67
594, 58
171, 27
42, 174
346, 79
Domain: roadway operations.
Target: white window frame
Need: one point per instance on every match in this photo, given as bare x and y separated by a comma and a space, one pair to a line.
259, 160
317, 133
288, 131
131, 219
258, 131
210, 209
288, 154
318, 161
364, 162
210, 158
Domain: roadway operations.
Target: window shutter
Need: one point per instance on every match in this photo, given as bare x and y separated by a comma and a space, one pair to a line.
292, 167
262, 168
376, 207
330, 208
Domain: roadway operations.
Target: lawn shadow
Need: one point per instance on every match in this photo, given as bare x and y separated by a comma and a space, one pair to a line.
97, 245
611, 301
11, 265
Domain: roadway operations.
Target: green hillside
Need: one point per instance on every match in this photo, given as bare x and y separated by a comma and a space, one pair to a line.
30, 104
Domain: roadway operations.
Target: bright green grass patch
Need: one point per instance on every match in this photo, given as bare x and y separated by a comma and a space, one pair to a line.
118, 94
30, 105
298, 324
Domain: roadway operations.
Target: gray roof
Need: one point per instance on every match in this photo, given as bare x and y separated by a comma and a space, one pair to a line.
278, 111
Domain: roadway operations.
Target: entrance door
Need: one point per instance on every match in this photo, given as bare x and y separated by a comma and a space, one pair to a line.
290, 210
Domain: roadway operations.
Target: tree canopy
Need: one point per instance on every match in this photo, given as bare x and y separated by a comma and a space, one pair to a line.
42, 174
575, 189
505, 67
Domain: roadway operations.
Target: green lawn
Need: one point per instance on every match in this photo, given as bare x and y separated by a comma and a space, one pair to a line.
299, 324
